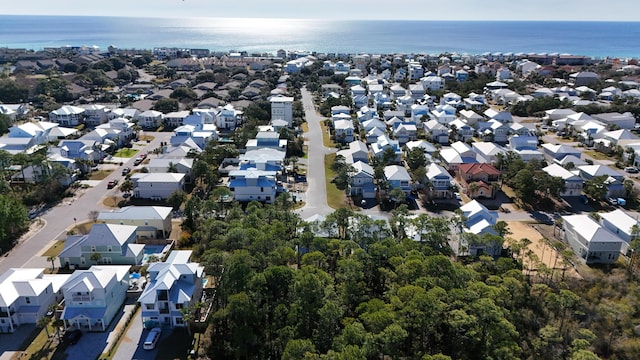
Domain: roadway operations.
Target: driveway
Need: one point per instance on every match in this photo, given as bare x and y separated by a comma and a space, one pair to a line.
131, 343
10, 343
316, 196
61, 217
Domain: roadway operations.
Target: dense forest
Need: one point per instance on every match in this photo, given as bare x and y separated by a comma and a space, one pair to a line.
365, 293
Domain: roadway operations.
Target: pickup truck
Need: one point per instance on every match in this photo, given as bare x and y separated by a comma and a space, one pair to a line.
111, 184
139, 159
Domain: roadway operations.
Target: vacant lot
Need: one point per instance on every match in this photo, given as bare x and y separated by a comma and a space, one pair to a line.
540, 247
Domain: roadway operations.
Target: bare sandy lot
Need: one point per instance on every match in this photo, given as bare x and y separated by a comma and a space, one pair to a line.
545, 253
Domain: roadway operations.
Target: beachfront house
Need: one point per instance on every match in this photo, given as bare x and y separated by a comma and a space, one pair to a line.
93, 297
174, 285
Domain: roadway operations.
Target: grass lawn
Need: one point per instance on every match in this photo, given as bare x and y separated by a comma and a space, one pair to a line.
112, 201
39, 347
83, 228
508, 191
335, 196
126, 153
55, 249
596, 155
326, 136
146, 138
100, 174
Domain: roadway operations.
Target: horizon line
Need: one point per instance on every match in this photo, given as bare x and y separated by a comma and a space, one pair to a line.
327, 19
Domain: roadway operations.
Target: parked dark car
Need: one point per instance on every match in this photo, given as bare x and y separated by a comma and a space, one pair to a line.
72, 337
125, 171
111, 184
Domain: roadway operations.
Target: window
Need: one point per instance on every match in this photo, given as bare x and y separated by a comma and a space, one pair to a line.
27, 300
179, 306
109, 248
93, 248
151, 306
179, 321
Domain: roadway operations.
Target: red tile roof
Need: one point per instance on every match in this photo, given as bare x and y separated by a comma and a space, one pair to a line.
476, 168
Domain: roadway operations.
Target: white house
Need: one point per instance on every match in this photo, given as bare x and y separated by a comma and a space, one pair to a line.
398, 177
572, 181
162, 165
150, 221
253, 184
173, 286
25, 296
116, 244
621, 224
440, 180
67, 116
151, 119
361, 181
93, 297
156, 186
95, 114
282, 108
436, 132
479, 221
487, 152
591, 241
344, 131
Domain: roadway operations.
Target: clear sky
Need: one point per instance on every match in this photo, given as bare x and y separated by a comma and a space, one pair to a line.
607, 10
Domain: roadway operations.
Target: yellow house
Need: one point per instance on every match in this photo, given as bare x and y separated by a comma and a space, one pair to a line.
153, 222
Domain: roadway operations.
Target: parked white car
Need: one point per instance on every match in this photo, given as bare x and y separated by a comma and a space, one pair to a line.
152, 338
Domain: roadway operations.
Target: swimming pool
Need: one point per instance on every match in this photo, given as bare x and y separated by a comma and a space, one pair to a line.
149, 250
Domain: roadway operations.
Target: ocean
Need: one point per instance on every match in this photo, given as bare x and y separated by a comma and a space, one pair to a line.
597, 39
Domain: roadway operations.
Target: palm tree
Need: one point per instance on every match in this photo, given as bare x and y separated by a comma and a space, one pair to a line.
51, 259
43, 322
95, 257
472, 189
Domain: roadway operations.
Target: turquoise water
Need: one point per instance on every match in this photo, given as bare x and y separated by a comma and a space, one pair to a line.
620, 39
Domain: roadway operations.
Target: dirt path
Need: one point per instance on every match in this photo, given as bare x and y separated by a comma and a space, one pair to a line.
540, 247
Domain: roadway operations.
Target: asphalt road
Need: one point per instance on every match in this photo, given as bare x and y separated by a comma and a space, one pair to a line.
61, 217
316, 195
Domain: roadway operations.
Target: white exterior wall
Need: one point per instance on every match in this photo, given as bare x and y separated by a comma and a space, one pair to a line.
161, 190
250, 193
